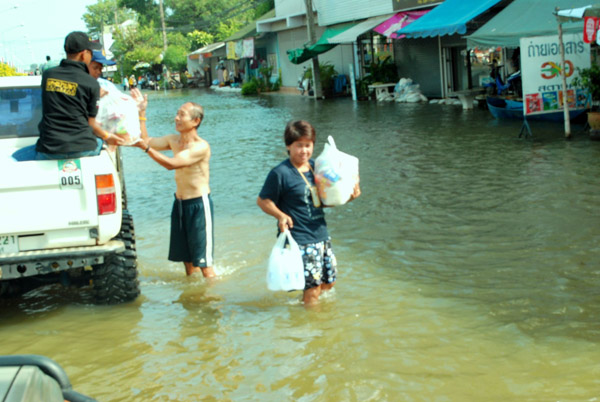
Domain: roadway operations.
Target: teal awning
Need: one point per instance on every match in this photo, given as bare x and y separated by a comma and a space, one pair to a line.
307, 52
448, 18
524, 19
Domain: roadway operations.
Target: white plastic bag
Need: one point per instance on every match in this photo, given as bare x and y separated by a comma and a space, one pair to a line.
336, 174
286, 270
118, 113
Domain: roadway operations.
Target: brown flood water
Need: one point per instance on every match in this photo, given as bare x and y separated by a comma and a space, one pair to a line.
469, 270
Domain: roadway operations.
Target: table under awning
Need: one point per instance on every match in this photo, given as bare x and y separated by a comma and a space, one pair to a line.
350, 35
448, 18
307, 52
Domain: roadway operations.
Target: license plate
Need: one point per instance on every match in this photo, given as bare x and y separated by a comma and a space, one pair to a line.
9, 244
69, 174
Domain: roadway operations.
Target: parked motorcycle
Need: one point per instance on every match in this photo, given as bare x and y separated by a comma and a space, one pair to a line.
304, 84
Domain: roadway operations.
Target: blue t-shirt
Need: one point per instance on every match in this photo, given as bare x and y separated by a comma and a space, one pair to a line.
286, 188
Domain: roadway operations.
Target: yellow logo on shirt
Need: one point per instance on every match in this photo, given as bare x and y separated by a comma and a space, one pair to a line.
66, 87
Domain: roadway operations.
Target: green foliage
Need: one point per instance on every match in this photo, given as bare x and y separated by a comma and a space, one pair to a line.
226, 29
103, 14
251, 87
147, 10
382, 70
176, 58
326, 73
200, 39
589, 78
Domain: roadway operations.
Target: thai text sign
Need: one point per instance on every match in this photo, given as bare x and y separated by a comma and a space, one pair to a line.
541, 72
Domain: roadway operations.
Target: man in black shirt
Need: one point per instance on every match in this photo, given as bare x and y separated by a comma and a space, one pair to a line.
69, 105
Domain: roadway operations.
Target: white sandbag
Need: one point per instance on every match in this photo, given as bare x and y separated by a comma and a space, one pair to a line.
118, 113
336, 174
285, 270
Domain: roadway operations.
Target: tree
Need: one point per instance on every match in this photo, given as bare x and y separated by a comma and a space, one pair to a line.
104, 13
147, 10
200, 39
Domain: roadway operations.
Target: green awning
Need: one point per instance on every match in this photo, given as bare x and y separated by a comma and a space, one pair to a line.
307, 52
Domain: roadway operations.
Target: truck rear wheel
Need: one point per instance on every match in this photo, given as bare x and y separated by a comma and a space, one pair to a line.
115, 281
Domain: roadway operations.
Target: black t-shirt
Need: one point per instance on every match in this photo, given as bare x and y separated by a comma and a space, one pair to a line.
286, 188
69, 96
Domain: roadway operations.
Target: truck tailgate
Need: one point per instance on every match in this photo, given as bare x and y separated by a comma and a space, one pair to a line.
51, 203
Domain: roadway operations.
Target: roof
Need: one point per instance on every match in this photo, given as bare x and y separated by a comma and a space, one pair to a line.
250, 29
208, 48
523, 19
350, 35
448, 18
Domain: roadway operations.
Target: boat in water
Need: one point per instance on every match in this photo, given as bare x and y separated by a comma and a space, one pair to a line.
504, 108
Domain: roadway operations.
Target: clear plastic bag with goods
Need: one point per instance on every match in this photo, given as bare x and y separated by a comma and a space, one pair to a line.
285, 270
118, 113
336, 174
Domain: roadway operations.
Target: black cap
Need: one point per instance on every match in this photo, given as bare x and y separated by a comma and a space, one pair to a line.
77, 41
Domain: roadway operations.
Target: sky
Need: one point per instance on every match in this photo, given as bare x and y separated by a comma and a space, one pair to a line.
32, 29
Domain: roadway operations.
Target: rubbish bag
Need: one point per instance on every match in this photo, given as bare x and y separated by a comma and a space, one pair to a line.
286, 270
118, 113
336, 174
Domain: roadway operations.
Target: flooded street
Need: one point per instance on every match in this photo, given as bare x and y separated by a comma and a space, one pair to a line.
469, 269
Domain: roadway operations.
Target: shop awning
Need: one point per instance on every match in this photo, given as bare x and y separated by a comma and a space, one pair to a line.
301, 54
398, 21
350, 35
206, 50
523, 19
448, 18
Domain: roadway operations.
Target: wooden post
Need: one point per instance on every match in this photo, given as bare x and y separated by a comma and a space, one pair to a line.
164, 35
564, 80
312, 38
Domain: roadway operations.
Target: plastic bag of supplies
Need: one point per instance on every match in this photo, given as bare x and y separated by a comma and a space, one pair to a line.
286, 270
336, 174
118, 113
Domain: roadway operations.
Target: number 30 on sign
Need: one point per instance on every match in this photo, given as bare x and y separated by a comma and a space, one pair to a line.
69, 174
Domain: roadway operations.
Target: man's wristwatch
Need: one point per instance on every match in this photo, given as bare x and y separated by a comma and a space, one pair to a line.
147, 148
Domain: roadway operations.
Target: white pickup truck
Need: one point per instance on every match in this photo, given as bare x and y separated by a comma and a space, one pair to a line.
61, 221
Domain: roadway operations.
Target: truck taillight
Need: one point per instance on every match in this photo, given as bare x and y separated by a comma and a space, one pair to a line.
106, 194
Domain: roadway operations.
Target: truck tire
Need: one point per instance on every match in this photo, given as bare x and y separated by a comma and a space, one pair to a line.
115, 281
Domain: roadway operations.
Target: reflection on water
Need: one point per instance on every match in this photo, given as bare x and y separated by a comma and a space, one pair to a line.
468, 268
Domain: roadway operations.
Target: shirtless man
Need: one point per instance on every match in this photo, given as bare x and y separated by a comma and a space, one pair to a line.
192, 214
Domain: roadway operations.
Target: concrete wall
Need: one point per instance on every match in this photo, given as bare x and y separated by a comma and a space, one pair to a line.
340, 56
335, 11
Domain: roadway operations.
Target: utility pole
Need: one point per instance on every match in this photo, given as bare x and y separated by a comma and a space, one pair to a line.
164, 35
312, 38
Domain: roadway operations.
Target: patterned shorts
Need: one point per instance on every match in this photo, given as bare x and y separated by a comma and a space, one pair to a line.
320, 265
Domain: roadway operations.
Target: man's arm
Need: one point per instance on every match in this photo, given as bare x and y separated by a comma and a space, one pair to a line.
183, 159
160, 143
110, 138
269, 207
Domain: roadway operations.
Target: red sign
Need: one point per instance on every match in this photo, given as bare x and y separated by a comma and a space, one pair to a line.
590, 28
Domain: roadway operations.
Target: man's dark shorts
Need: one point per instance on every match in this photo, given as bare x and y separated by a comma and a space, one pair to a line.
192, 231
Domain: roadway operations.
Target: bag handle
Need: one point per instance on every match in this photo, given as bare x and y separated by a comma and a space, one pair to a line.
331, 141
290, 239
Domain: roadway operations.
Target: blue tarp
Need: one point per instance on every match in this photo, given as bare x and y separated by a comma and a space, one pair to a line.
448, 18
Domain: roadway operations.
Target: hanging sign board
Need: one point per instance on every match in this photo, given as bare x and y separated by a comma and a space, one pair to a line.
541, 69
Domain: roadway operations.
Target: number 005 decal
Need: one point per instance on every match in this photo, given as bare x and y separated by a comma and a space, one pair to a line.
69, 174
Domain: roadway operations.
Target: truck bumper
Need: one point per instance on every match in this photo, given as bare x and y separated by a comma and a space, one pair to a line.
41, 262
